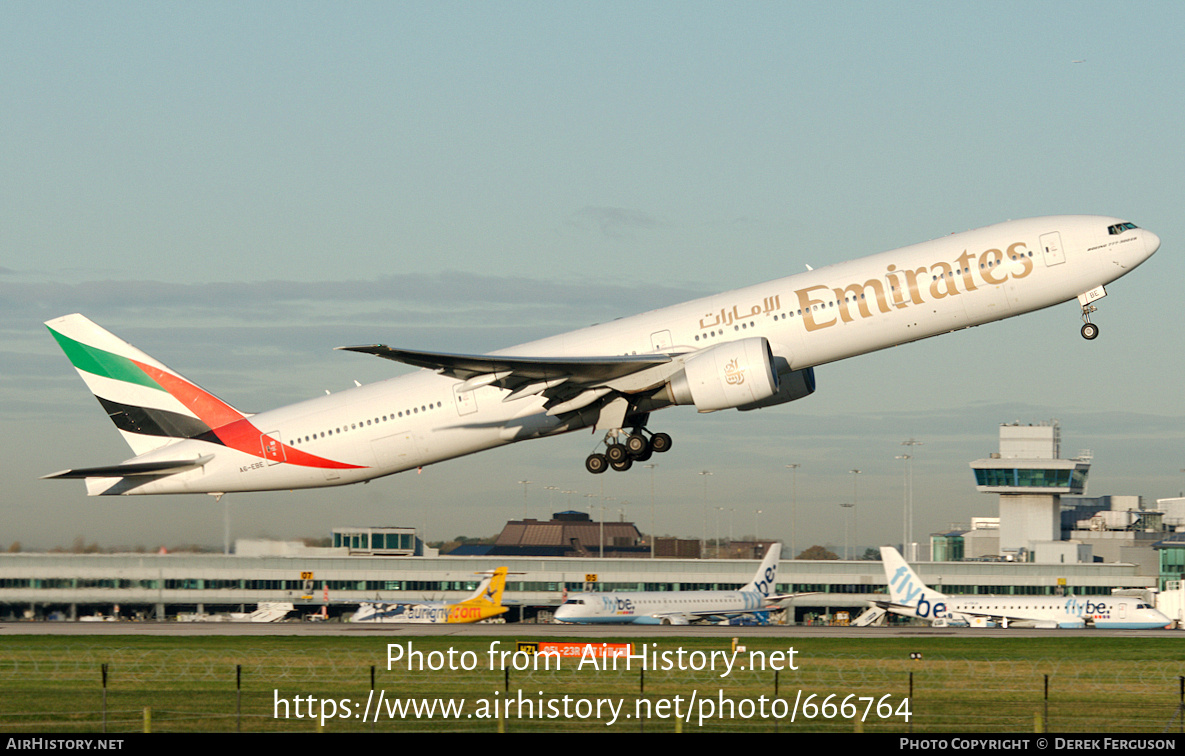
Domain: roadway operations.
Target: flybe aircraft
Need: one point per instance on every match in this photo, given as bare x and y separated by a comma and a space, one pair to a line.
676, 607
485, 602
745, 349
912, 598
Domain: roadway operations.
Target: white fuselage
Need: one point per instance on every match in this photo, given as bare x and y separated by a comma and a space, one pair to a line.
809, 319
653, 607
1110, 612
415, 614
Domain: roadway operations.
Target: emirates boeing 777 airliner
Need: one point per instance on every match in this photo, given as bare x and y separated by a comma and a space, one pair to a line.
744, 349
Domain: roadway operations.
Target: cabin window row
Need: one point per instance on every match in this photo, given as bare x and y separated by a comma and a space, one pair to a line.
362, 424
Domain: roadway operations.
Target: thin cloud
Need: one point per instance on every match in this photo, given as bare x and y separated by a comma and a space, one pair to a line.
613, 222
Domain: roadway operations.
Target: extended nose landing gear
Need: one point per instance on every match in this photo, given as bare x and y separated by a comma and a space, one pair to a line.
1090, 331
621, 456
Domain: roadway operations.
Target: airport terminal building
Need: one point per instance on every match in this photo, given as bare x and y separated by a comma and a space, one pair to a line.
1080, 547
332, 582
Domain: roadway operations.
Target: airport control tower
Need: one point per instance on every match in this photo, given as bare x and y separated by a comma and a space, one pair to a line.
1030, 478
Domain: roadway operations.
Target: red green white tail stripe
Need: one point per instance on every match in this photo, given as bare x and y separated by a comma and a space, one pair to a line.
151, 405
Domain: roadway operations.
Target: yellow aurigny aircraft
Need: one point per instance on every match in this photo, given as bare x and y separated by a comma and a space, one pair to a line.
745, 349
485, 602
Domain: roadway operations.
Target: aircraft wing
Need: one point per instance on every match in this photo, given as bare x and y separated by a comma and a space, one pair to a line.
774, 601
569, 383
582, 370
709, 613
900, 608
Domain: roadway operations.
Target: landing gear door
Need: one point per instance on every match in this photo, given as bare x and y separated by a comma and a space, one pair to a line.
1051, 246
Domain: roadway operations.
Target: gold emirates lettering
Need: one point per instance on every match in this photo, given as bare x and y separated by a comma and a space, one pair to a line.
734, 375
900, 288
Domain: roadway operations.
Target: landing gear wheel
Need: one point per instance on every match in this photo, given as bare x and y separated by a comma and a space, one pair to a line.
623, 465
596, 464
616, 452
636, 445
660, 442
644, 456
1090, 331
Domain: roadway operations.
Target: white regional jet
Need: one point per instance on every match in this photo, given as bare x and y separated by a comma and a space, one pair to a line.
677, 607
745, 349
912, 598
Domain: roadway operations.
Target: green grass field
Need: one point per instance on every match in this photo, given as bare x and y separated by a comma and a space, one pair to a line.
188, 684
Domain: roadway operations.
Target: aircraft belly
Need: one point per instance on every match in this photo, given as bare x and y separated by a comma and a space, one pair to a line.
398, 451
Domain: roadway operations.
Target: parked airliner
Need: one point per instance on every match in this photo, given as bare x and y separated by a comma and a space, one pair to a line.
910, 597
676, 607
484, 603
745, 349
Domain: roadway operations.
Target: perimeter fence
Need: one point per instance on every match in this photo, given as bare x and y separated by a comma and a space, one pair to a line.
114, 689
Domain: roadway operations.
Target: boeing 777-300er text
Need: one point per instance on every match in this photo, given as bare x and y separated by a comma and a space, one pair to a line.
909, 596
744, 349
485, 602
677, 607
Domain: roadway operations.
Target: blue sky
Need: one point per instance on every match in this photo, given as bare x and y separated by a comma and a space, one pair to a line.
238, 188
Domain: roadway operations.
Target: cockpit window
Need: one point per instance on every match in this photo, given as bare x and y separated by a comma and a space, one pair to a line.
1119, 228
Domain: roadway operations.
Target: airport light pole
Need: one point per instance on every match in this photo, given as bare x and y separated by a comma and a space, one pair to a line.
703, 541
793, 468
731, 510
855, 500
911, 442
652, 531
904, 505
847, 521
603, 500
524, 484
717, 549
756, 537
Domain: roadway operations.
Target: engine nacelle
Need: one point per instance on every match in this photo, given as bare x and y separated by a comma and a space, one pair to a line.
729, 375
796, 385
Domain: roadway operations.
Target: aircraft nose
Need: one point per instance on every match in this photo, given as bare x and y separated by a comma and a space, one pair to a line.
1151, 242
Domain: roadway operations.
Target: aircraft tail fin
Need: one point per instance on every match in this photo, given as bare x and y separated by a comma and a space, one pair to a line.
905, 587
489, 590
765, 581
151, 405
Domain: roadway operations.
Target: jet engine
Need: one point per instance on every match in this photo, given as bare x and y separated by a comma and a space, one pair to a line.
796, 385
729, 375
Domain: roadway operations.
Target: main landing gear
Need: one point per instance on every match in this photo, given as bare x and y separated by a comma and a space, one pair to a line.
622, 455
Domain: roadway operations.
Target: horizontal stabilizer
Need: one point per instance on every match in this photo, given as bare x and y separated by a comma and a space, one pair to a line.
168, 467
